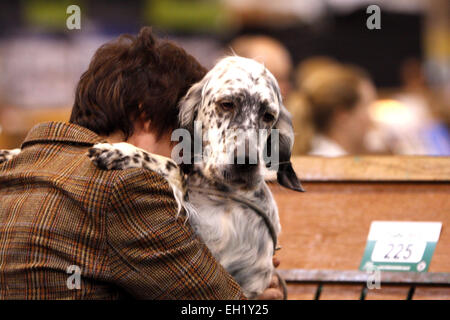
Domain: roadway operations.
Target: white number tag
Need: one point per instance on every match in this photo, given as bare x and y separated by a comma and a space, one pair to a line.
400, 245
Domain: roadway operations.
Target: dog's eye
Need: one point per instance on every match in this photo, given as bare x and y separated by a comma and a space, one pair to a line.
268, 117
227, 105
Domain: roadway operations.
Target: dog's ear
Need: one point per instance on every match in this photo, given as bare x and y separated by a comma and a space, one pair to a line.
286, 175
190, 104
188, 109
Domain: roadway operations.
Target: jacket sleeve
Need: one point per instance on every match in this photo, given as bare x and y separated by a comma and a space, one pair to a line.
152, 253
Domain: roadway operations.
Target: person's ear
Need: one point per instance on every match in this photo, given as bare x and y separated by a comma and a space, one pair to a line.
141, 122
146, 125
286, 175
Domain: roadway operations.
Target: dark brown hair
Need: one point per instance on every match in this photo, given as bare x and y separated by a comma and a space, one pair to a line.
134, 77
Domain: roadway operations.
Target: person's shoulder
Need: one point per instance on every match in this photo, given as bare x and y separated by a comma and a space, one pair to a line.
140, 180
140, 191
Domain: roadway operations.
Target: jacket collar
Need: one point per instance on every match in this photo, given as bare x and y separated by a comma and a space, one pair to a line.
61, 132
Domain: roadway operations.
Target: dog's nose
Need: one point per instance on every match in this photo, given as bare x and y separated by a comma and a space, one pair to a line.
245, 163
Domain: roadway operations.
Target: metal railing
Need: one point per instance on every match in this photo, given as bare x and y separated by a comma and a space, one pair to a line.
321, 277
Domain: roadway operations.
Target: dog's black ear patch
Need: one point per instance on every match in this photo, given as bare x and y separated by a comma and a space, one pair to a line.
287, 177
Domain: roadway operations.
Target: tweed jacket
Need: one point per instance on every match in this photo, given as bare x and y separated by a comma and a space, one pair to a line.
69, 230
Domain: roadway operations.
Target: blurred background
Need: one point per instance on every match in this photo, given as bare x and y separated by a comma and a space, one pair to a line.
351, 89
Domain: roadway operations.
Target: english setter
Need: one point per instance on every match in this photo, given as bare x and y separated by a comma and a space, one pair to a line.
240, 95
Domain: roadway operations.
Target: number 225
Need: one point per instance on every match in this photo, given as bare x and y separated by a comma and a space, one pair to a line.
401, 248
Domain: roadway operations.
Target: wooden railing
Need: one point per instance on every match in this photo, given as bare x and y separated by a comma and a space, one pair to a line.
324, 231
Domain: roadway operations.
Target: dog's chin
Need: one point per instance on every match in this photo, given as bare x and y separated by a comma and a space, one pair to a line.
239, 178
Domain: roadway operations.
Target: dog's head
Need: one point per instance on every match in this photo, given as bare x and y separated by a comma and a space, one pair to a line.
237, 103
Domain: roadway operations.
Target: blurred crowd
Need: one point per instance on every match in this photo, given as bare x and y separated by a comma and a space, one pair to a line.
315, 49
336, 109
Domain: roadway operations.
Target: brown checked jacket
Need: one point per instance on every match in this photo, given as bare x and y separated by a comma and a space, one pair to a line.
69, 230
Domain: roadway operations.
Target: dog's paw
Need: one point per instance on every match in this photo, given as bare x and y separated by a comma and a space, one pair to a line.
120, 156
110, 156
6, 155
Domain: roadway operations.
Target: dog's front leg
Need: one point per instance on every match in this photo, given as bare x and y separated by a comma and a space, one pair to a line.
121, 156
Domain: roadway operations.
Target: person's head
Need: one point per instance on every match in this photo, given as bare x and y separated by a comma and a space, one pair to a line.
299, 107
271, 53
133, 86
308, 66
339, 97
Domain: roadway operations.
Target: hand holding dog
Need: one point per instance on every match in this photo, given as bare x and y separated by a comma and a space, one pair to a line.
275, 290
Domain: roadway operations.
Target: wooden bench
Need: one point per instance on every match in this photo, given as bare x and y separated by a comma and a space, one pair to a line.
324, 231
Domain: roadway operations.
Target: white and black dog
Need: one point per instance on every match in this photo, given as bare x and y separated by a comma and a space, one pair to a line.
220, 194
